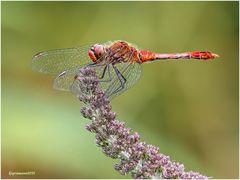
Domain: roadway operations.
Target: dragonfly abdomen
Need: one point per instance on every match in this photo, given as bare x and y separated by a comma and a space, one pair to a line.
146, 56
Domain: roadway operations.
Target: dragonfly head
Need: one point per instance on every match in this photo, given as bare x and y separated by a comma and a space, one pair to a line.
96, 52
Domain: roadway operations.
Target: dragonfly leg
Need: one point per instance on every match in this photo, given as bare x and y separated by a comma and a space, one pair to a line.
104, 72
94, 64
121, 78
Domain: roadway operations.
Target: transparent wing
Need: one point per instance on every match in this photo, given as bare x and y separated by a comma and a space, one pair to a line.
59, 60
110, 83
130, 71
65, 79
64, 63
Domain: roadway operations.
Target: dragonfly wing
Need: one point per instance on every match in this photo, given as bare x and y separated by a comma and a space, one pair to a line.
65, 79
110, 83
130, 71
59, 60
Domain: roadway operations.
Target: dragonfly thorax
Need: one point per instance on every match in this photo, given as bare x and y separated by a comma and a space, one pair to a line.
113, 53
121, 52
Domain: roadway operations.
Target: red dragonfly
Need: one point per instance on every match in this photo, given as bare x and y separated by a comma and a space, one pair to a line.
117, 63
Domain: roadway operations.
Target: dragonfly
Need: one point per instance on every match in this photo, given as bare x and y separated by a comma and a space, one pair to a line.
117, 64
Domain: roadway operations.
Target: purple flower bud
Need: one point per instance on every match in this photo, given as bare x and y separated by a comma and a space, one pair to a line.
173, 170
91, 127
192, 175
86, 112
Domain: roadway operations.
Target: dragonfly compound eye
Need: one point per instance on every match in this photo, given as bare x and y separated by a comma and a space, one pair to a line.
91, 54
96, 52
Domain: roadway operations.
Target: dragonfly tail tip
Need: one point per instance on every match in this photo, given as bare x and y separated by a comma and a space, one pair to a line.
215, 55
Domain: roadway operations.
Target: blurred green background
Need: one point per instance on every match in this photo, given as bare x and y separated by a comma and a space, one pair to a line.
187, 108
